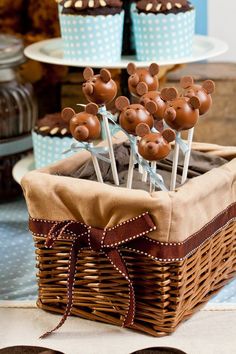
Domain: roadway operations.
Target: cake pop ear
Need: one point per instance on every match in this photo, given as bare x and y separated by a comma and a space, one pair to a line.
209, 86
170, 114
131, 68
142, 129
105, 75
154, 69
151, 107
158, 125
88, 73
169, 135
142, 88
122, 102
195, 102
92, 108
134, 80
67, 114
186, 81
169, 94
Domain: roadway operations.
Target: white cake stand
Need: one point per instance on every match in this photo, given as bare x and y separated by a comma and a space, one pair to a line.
51, 52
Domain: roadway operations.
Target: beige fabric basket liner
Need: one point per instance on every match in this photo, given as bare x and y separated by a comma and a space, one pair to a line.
177, 215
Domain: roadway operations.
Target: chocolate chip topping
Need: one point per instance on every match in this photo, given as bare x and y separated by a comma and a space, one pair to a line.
52, 125
163, 6
87, 6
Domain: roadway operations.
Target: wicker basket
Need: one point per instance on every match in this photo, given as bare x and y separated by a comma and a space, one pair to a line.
166, 293
170, 280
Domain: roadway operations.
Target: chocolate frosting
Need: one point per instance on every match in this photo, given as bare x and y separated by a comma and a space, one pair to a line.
90, 7
52, 125
163, 6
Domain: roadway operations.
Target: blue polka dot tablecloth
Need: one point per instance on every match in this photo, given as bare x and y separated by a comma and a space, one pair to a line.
17, 258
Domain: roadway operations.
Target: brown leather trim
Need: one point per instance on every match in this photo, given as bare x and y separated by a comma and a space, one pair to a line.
157, 250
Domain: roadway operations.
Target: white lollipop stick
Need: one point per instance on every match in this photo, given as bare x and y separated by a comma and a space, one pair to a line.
187, 155
175, 165
152, 185
144, 176
111, 151
140, 169
130, 170
97, 168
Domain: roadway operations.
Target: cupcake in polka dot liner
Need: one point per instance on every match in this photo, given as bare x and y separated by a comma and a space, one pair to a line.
91, 30
163, 29
51, 137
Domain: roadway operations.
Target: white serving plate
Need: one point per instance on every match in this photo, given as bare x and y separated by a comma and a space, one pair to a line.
51, 51
26, 164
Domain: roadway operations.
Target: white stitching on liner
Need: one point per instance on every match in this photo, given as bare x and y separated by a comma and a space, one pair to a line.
169, 259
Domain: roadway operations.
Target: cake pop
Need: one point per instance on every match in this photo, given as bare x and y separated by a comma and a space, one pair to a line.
85, 127
203, 92
156, 103
101, 89
142, 80
182, 113
131, 116
154, 146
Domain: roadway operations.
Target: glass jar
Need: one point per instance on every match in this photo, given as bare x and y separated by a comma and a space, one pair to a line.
18, 112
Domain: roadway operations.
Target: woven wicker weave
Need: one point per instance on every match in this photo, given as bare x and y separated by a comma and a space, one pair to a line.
166, 293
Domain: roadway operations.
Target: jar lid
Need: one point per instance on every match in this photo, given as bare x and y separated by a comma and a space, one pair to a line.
11, 51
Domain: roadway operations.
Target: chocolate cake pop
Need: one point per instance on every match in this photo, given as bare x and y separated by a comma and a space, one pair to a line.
132, 115
100, 89
155, 102
203, 92
84, 126
142, 80
154, 146
182, 113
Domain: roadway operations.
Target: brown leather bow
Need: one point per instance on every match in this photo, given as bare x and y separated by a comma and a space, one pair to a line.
98, 240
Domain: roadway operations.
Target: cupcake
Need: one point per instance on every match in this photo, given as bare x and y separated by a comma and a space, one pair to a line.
163, 29
91, 29
51, 137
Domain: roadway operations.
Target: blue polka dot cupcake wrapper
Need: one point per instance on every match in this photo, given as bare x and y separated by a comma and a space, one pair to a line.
48, 150
93, 38
163, 37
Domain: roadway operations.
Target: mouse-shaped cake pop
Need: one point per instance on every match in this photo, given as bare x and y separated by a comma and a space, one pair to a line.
203, 92
182, 113
84, 126
154, 146
156, 104
142, 80
100, 89
131, 115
